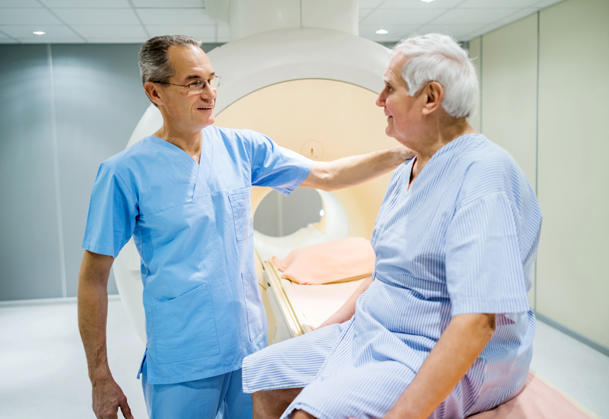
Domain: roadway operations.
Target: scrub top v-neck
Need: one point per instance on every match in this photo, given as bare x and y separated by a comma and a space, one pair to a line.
192, 226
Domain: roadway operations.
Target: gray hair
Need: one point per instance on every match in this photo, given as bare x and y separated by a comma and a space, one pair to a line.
436, 57
153, 60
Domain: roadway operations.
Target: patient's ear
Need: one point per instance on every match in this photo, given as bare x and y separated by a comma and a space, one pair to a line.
434, 93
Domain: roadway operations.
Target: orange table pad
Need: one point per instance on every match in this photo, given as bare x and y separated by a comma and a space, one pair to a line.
326, 263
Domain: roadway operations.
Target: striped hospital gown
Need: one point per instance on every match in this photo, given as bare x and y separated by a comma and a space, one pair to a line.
462, 239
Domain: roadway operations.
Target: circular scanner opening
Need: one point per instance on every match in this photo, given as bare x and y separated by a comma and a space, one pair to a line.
306, 217
278, 215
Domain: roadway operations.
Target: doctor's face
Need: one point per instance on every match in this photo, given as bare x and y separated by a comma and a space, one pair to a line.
402, 111
188, 98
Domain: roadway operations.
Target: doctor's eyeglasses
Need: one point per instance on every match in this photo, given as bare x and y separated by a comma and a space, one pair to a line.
196, 86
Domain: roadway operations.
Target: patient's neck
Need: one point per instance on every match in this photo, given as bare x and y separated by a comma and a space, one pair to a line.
442, 131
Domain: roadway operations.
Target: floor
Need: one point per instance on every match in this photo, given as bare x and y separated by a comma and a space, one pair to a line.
44, 372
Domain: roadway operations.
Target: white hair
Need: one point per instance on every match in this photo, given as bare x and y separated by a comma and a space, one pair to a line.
436, 57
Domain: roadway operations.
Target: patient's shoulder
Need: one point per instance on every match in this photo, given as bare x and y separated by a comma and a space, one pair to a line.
490, 169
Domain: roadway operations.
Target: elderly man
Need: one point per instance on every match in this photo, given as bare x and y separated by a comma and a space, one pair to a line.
444, 328
183, 193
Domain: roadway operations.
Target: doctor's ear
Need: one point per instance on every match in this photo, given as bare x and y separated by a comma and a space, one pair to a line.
434, 92
152, 92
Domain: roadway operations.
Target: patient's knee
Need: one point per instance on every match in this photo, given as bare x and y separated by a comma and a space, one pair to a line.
271, 403
301, 414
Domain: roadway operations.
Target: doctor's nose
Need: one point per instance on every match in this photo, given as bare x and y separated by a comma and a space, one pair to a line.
208, 94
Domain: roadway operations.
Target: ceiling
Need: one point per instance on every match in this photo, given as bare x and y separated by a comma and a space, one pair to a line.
134, 21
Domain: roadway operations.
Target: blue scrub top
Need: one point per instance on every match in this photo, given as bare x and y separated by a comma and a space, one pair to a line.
192, 226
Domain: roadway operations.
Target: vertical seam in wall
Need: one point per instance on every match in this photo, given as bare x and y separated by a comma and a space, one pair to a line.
537, 114
481, 72
300, 14
481, 77
537, 146
62, 260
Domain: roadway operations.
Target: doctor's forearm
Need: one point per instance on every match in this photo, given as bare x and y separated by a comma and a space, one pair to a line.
349, 171
455, 352
92, 317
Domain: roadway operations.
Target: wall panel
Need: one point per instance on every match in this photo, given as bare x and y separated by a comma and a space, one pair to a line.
30, 247
509, 90
573, 283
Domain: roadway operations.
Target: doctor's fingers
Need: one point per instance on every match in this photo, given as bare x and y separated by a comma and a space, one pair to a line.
112, 412
125, 409
107, 398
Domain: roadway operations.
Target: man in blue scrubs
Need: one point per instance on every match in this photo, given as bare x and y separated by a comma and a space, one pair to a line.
183, 194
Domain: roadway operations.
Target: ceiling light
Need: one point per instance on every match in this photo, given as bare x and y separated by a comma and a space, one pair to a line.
39, 33
382, 32
426, 1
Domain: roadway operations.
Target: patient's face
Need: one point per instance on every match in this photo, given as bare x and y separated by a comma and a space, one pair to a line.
403, 112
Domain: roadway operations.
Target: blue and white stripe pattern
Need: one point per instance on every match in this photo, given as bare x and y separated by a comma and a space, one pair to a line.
462, 239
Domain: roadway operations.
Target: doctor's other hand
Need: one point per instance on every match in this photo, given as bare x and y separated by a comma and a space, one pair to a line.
107, 398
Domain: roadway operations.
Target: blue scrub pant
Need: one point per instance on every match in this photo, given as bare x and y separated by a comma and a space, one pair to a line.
219, 397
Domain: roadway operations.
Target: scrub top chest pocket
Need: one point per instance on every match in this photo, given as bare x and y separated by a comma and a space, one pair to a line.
241, 205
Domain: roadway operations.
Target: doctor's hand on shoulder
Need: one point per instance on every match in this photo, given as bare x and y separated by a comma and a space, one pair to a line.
403, 153
108, 398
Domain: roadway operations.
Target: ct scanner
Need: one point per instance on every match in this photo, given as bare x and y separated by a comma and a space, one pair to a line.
313, 91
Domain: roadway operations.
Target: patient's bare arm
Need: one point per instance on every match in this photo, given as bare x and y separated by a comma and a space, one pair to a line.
460, 344
349, 171
345, 312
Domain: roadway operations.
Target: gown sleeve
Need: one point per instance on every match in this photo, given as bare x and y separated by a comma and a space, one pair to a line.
484, 267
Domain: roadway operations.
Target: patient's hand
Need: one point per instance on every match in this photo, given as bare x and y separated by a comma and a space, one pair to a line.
336, 318
346, 311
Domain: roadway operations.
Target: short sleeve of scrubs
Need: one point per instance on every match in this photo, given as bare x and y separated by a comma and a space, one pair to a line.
484, 270
112, 213
276, 166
